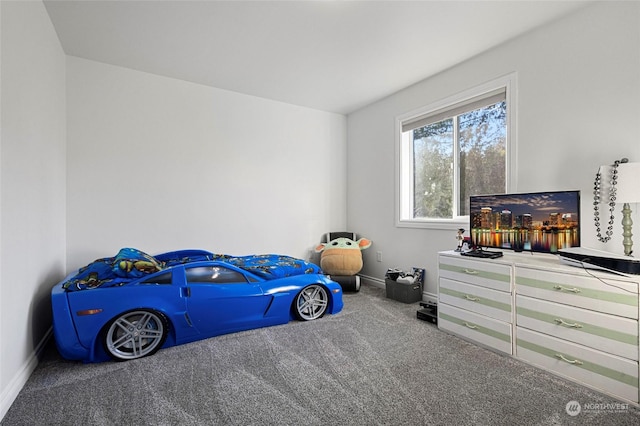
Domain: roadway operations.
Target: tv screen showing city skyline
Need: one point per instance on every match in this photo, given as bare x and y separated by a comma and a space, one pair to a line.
539, 221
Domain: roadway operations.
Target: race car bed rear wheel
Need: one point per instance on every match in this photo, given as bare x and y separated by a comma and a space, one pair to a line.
135, 334
311, 303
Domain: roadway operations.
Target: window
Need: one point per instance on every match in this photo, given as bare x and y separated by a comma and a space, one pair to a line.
451, 150
214, 274
164, 278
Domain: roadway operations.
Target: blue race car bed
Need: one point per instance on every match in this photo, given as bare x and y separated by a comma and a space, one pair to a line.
130, 305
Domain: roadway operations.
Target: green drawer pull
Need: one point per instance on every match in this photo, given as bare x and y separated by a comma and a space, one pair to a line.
572, 290
471, 326
575, 361
560, 321
473, 299
471, 272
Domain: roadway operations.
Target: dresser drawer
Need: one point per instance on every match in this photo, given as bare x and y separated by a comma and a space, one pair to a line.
605, 295
608, 333
606, 372
483, 273
484, 330
481, 300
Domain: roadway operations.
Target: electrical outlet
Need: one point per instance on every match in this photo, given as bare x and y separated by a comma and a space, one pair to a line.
379, 256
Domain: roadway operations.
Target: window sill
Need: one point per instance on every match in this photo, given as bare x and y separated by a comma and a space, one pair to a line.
444, 224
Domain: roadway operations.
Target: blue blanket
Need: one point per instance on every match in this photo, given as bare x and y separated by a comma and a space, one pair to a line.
270, 266
130, 264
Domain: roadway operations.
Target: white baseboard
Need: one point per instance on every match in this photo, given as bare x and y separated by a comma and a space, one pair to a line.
10, 393
377, 282
429, 297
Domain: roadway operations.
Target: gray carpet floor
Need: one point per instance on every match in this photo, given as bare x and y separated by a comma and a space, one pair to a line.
372, 364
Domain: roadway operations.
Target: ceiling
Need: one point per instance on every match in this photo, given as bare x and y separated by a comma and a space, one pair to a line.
334, 56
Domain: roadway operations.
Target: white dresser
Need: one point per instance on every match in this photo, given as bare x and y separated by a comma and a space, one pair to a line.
475, 300
582, 325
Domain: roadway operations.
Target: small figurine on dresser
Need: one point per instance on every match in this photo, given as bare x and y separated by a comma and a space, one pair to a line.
460, 238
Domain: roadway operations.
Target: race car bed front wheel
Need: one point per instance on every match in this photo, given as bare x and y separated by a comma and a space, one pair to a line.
311, 303
135, 334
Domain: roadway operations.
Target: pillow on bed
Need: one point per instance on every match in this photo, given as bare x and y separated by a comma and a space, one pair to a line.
133, 263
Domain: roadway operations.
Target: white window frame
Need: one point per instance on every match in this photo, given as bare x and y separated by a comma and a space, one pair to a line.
404, 154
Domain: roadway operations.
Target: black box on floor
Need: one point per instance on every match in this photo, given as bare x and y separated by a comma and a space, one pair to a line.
429, 312
403, 292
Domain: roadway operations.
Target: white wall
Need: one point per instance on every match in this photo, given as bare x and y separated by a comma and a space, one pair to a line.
578, 107
32, 187
162, 164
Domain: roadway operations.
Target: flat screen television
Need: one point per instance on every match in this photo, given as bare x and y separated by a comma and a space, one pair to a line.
535, 221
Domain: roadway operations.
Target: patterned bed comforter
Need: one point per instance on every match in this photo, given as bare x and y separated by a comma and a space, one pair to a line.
130, 264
